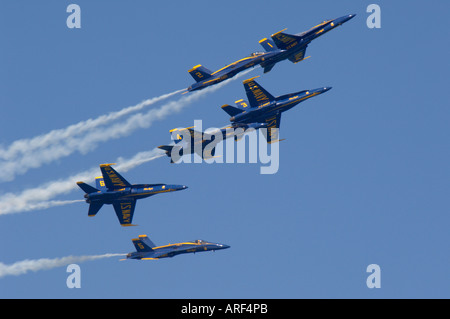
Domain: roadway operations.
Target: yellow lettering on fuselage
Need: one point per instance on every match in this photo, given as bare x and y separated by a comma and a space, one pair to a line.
290, 46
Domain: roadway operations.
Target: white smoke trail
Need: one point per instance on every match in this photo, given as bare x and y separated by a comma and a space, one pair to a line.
47, 204
35, 157
24, 154
25, 146
39, 197
27, 265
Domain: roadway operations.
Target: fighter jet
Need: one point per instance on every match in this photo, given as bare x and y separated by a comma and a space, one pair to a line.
262, 107
282, 46
205, 77
189, 141
146, 249
113, 189
293, 46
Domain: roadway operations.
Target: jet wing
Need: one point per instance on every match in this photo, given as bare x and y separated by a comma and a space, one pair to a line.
181, 132
299, 56
112, 179
256, 94
284, 41
124, 211
195, 134
273, 126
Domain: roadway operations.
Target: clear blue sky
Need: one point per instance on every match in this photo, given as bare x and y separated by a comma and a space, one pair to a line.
364, 170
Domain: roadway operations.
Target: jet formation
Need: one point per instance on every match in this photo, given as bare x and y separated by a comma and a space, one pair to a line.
262, 110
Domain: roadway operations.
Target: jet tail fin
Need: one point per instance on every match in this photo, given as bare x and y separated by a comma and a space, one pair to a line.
87, 188
143, 243
243, 104
268, 45
100, 183
200, 73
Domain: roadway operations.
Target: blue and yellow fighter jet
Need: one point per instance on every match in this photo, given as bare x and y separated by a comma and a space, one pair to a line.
262, 107
113, 189
146, 250
293, 46
198, 141
282, 46
205, 77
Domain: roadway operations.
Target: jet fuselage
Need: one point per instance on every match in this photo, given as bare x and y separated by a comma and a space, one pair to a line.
134, 192
172, 250
281, 104
232, 69
302, 40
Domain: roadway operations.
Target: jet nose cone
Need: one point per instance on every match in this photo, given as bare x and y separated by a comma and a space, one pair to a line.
327, 88
350, 16
177, 187
344, 19
221, 246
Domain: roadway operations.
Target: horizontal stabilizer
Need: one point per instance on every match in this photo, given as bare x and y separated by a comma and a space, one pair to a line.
94, 208
87, 188
200, 73
269, 67
231, 110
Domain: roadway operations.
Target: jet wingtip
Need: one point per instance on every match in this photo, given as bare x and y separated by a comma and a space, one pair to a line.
107, 164
251, 79
279, 32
